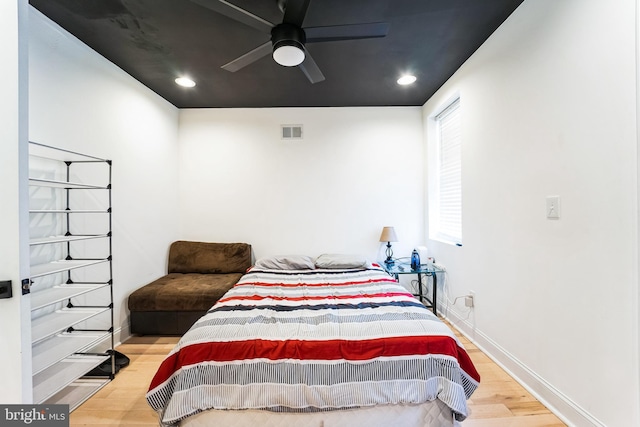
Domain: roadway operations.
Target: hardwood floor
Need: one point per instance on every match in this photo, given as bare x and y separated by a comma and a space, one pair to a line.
498, 402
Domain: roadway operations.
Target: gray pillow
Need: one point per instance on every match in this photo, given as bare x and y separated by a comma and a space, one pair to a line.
341, 261
286, 262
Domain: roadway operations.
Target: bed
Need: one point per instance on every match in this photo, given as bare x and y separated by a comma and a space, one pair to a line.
316, 342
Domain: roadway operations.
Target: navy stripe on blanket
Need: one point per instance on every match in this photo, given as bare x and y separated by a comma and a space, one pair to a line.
316, 307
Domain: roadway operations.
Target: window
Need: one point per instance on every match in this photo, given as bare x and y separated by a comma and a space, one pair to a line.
445, 186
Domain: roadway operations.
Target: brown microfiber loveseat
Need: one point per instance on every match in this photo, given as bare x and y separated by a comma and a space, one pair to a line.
199, 274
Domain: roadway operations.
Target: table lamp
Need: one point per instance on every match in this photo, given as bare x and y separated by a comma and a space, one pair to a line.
388, 235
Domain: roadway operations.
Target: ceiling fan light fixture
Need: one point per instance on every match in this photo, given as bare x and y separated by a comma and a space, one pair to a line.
288, 55
288, 44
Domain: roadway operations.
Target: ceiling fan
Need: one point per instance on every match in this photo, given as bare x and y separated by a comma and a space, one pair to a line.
289, 39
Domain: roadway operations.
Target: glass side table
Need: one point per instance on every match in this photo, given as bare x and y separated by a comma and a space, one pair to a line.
425, 270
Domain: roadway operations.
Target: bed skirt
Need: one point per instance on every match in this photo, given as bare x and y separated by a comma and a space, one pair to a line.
430, 414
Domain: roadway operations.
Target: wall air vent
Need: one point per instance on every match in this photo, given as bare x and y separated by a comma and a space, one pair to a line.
291, 131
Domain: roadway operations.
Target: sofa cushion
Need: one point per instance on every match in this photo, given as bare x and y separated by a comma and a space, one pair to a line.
182, 292
209, 258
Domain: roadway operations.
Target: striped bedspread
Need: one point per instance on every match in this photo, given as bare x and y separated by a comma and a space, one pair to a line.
313, 340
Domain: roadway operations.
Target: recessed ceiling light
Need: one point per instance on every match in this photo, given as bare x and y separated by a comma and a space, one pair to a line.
406, 80
185, 82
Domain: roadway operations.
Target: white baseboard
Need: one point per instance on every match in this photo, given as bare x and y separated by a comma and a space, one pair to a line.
562, 406
122, 334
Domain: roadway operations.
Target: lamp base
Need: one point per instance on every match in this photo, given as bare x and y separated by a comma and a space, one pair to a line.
389, 254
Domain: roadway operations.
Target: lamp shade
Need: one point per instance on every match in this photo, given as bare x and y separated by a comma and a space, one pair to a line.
388, 235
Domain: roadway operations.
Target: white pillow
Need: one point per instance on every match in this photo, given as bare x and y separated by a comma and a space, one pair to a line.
286, 262
341, 261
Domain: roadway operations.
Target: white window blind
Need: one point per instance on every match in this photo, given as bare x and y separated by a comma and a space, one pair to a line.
449, 175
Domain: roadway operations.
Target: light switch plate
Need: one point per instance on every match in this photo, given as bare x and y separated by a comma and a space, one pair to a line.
553, 207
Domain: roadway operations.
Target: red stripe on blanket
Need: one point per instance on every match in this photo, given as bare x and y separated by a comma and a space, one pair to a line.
314, 297
313, 350
328, 284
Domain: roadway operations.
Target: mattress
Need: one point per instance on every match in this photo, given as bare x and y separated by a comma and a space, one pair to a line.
316, 344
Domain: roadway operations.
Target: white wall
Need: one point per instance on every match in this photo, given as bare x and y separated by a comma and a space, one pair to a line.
355, 171
82, 102
549, 108
15, 366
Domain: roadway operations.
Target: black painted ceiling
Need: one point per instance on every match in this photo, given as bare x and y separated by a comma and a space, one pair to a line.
155, 41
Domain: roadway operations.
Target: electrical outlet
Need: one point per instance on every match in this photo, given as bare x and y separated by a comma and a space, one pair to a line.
469, 299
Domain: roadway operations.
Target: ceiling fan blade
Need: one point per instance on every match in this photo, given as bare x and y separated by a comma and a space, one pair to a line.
346, 32
249, 57
234, 12
295, 11
311, 69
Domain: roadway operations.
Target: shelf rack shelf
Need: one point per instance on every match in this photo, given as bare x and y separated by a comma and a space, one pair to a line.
59, 320
67, 211
63, 265
63, 184
62, 292
64, 239
77, 392
55, 378
63, 345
